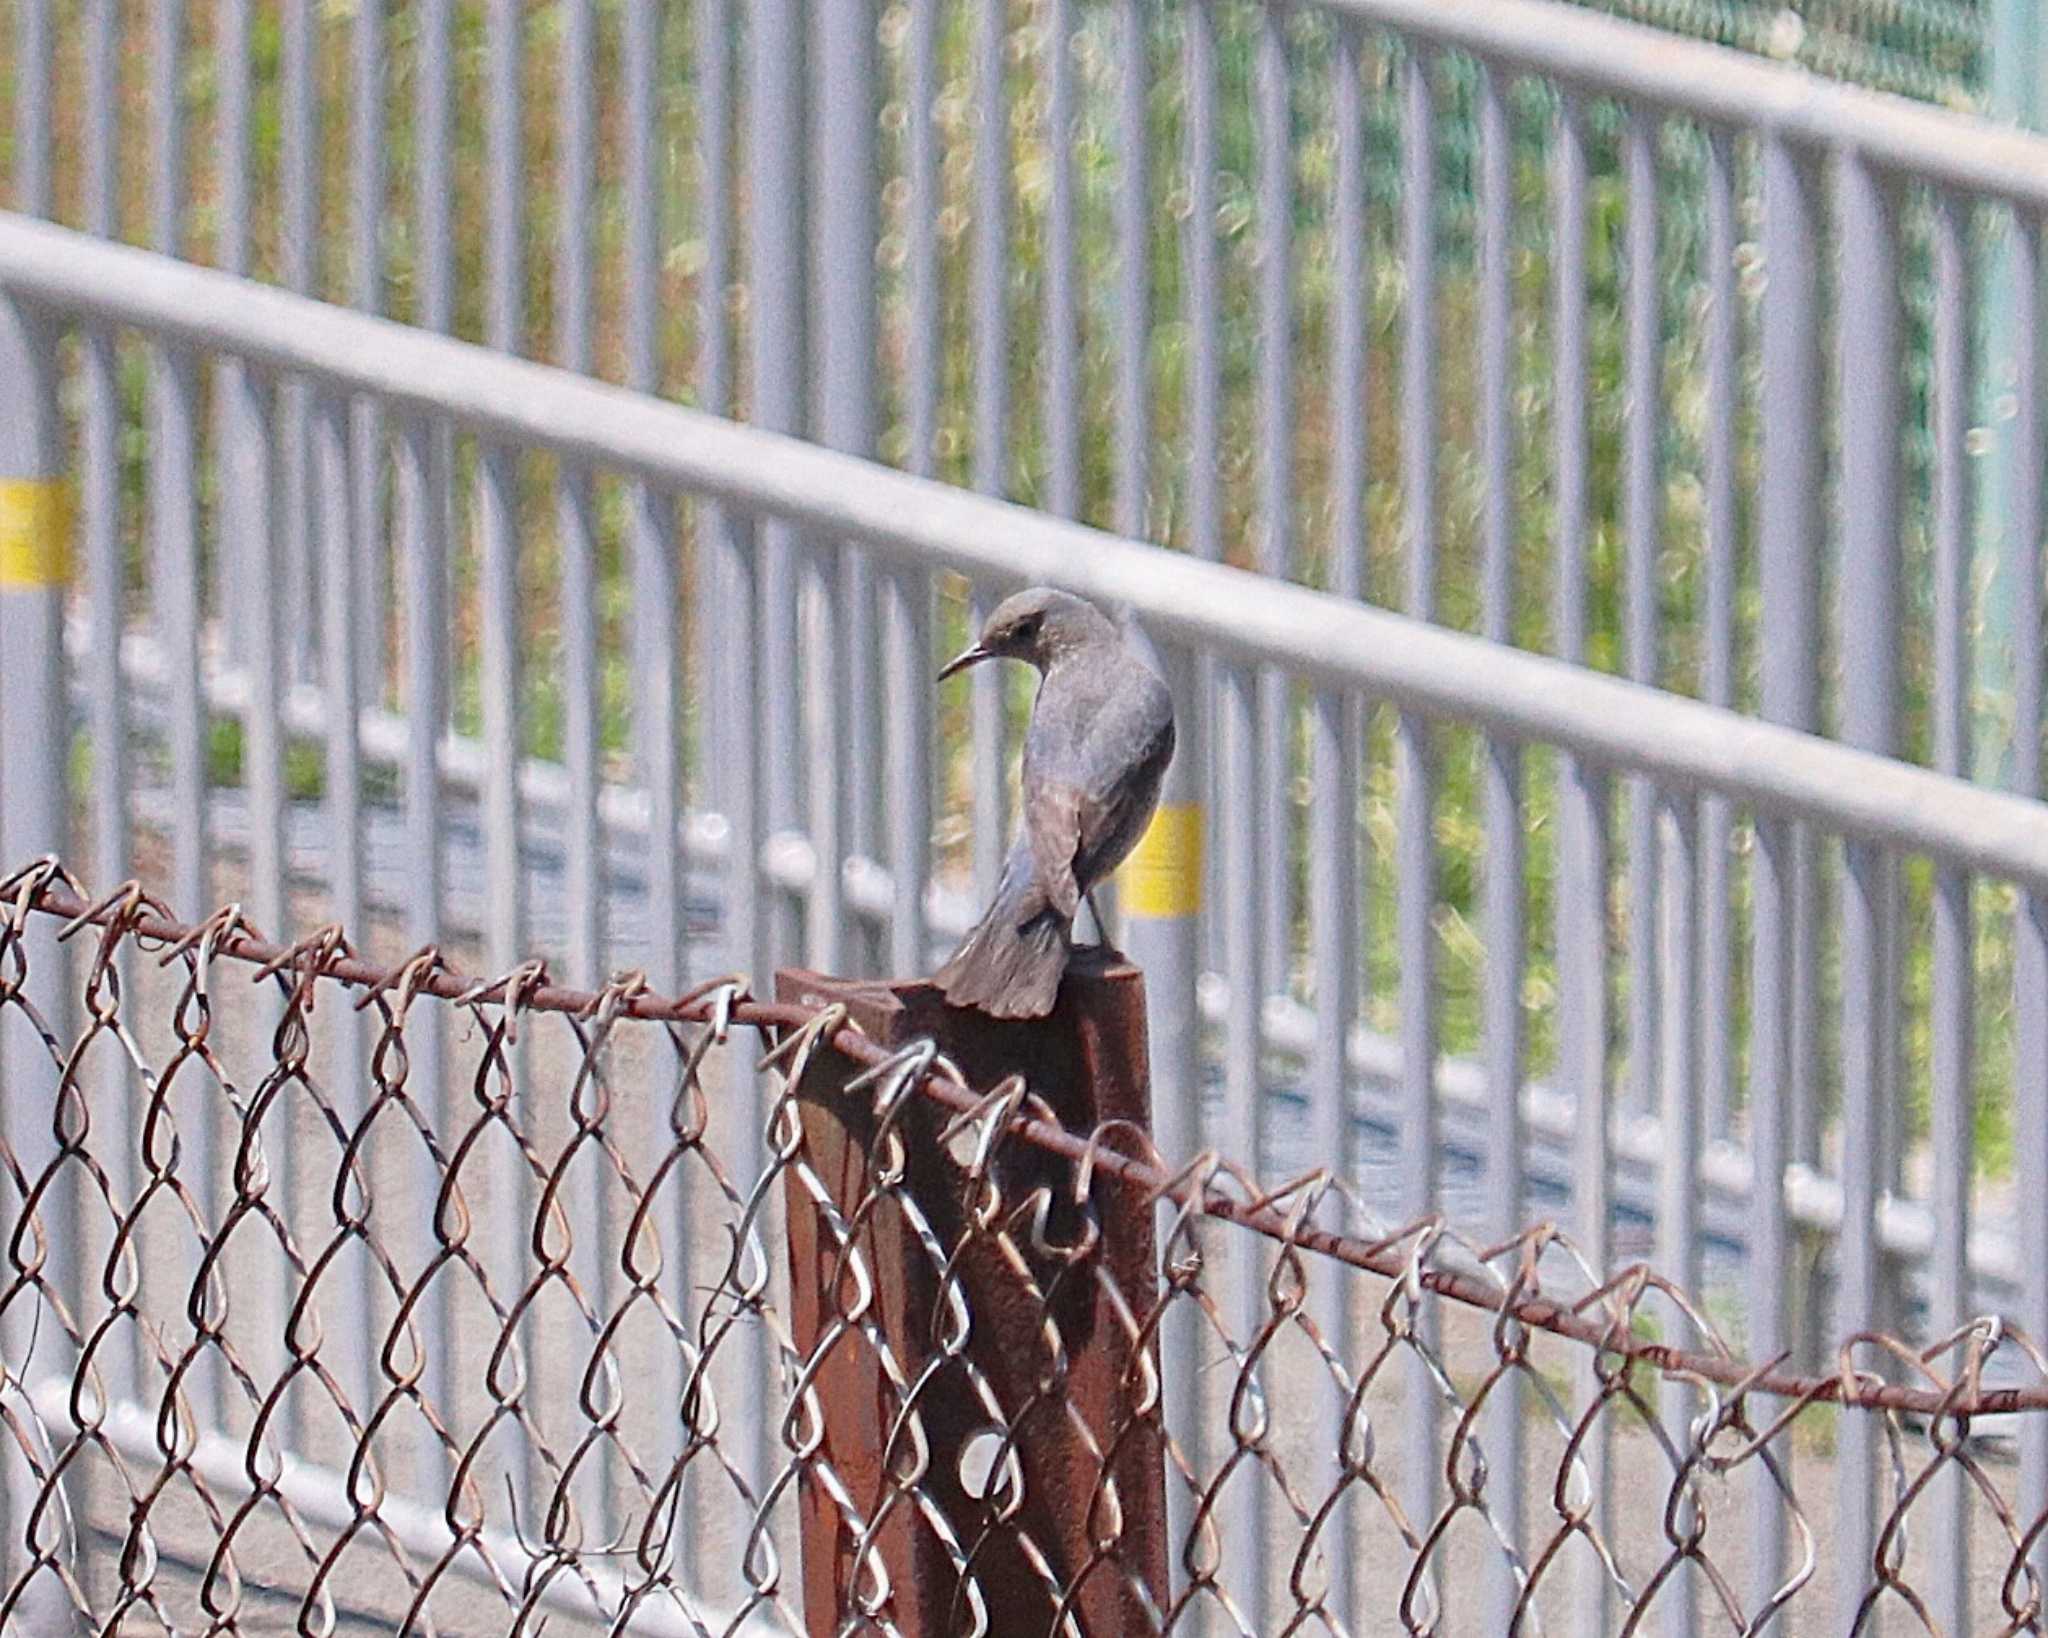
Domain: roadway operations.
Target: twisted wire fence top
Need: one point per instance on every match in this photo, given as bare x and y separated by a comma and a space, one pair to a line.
336, 1340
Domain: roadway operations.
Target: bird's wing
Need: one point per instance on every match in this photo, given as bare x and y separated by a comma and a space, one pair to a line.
1099, 740
1111, 827
1052, 820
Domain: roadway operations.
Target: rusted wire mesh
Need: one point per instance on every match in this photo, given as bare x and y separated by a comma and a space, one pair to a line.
292, 1343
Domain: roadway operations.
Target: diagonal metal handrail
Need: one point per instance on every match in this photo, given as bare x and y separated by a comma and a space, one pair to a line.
1337, 641
1612, 56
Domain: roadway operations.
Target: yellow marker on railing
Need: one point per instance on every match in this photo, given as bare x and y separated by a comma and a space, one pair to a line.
1163, 876
35, 533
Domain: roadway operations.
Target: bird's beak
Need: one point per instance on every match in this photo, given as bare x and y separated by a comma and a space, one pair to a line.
965, 658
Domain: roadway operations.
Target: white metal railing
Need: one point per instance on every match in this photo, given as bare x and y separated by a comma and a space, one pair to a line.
1795, 269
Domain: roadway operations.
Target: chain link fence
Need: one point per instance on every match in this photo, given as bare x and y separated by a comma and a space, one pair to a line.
585, 1339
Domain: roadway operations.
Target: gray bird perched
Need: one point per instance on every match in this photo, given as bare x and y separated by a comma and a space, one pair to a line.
1101, 736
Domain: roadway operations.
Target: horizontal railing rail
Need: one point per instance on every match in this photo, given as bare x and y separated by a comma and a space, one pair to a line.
1616, 57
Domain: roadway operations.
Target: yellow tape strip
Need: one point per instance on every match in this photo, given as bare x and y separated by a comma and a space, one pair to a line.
35, 533
1163, 876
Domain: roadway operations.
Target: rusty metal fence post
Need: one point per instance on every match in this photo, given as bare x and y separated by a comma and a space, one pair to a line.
923, 1282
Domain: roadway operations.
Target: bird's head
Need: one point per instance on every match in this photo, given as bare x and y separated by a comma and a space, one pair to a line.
1035, 626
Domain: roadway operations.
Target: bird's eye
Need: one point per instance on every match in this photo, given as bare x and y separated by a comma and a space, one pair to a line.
1027, 629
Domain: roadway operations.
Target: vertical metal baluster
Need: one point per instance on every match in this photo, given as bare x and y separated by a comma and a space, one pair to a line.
651, 538
1505, 853
35, 101
1333, 898
1244, 1526
906, 592
1414, 754
906, 698
1952, 1011
749, 1384
845, 671
1337, 731
500, 651
585, 886
1717, 861
654, 546
1351, 317
726, 660
1894, 1120
244, 606
839, 584
35, 811
761, 700
433, 174
1062, 407
426, 468
350, 1321
367, 183
296, 499
777, 141
1791, 523
1788, 524
574, 497
1202, 758
1774, 889
1159, 929
2030, 1048
1678, 1178
298, 251
924, 339
33, 814
1134, 270
1273, 804
174, 571
421, 495
116, 1114
250, 463
1162, 903
1581, 911
248, 519
1202, 280
1866, 308
990, 339
173, 504
498, 496
721, 738
2030, 955
1642, 521
233, 530
1793, 640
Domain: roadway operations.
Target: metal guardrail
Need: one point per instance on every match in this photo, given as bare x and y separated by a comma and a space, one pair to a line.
1813, 1200
919, 523
1688, 748
1611, 57
531, 1411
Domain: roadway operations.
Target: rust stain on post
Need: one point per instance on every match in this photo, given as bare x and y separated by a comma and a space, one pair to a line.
1048, 1341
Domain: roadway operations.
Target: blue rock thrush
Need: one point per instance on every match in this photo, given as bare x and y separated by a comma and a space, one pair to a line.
1100, 739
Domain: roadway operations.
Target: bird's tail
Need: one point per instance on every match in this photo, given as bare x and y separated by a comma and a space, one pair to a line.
1010, 965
